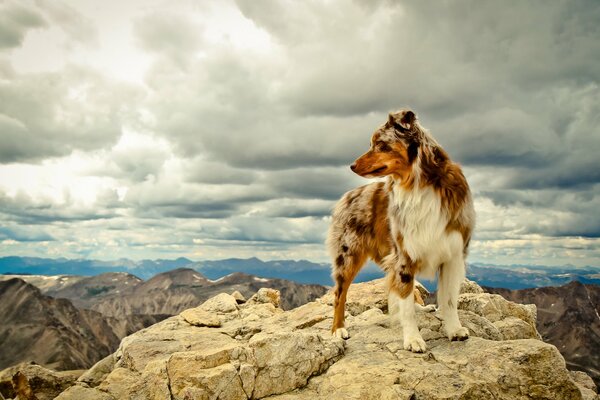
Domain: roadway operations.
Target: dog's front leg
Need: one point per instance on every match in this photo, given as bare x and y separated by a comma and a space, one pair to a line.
452, 274
401, 301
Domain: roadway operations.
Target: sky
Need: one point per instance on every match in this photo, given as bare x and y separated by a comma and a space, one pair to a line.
216, 129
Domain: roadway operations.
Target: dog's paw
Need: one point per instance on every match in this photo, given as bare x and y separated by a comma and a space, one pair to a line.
341, 333
460, 334
416, 344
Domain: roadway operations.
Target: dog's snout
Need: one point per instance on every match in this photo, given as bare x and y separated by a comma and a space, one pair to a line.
353, 167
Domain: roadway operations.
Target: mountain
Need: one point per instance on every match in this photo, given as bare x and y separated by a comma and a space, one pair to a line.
87, 291
55, 333
168, 293
568, 317
258, 351
62, 266
529, 276
301, 271
50, 331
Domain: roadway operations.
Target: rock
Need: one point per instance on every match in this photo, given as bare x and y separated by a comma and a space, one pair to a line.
285, 361
362, 297
469, 286
496, 308
238, 297
513, 328
265, 295
35, 379
79, 392
221, 303
95, 375
200, 317
421, 289
585, 384
261, 351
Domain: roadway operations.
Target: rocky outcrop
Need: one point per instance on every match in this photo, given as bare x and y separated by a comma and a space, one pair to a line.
24, 380
569, 318
257, 350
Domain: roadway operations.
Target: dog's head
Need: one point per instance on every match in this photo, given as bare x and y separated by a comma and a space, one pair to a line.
394, 148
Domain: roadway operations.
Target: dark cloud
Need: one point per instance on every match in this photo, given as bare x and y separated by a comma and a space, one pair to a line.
313, 183
23, 209
16, 19
213, 172
552, 212
51, 114
22, 234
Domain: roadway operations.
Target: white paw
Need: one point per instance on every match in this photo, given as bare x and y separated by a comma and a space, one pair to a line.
341, 333
460, 334
416, 344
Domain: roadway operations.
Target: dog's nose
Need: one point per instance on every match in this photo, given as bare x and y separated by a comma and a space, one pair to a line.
353, 167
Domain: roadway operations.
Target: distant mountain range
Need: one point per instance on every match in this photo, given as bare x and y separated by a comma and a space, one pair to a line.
302, 271
568, 317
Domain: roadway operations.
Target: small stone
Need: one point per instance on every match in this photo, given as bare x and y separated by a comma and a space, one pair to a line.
266, 295
238, 297
221, 303
199, 317
470, 287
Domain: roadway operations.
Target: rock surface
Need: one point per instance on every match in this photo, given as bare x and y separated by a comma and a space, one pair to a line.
260, 351
569, 318
44, 383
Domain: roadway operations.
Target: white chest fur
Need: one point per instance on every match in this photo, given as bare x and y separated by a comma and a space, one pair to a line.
419, 217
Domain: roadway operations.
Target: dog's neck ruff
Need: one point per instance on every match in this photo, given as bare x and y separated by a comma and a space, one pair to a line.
418, 216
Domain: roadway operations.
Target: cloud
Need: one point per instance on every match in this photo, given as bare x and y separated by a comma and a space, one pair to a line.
52, 114
16, 19
251, 112
175, 36
21, 234
78, 27
25, 210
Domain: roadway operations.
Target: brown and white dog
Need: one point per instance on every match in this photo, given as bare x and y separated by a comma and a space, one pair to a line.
416, 223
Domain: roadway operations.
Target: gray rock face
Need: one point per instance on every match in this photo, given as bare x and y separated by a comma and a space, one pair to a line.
260, 351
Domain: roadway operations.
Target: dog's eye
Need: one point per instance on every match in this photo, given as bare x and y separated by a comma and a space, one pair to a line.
383, 147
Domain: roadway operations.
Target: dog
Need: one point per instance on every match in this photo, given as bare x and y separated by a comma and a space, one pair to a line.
417, 222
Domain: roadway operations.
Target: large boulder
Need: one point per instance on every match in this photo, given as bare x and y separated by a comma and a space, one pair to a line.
260, 351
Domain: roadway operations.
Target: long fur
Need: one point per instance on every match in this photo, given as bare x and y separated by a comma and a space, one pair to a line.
416, 223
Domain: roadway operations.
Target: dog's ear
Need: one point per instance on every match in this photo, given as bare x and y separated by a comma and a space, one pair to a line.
391, 120
408, 119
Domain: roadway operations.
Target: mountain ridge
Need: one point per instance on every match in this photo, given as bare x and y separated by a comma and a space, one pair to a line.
301, 271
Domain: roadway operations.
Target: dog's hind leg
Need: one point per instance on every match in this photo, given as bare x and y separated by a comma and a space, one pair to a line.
345, 269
